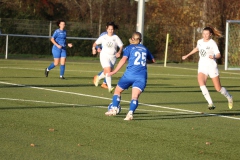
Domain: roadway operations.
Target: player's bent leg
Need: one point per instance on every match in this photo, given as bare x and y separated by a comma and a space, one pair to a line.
132, 108
223, 91
51, 66
229, 97
96, 80
115, 101
104, 84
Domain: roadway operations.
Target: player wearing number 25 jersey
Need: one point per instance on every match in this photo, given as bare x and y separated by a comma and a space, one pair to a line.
135, 74
136, 71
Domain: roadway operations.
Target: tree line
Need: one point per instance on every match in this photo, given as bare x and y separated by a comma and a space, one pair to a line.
182, 19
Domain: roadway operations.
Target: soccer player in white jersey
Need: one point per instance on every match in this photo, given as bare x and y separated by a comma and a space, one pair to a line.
59, 48
109, 53
135, 75
98, 49
207, 66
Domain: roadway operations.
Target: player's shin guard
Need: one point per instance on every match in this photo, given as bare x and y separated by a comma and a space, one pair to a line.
224, 92
51, 66
116, 100
133, 105
62, 70
109, 82
206, 94
101, 75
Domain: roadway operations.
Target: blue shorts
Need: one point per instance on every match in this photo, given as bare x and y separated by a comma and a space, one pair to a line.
58, 53
126, 82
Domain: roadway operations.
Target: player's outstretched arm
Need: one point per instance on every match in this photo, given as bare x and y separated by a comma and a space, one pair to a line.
189, 54
119, 66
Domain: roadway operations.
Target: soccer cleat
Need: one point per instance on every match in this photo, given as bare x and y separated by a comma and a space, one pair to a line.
104, 85
46, 72
112, 112
230, 102
95, 80
211, 107
129, 117
61, 77
111, 90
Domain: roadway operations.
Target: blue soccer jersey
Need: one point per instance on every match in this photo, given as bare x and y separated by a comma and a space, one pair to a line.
60, 37
137, 60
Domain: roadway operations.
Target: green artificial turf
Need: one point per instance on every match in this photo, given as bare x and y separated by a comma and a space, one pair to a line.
64, 119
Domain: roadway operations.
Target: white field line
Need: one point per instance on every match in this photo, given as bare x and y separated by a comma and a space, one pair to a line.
80, 105
154, 106
172, 75
193, 69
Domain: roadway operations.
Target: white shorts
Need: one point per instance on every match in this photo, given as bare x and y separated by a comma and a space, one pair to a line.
107, 60
209, 70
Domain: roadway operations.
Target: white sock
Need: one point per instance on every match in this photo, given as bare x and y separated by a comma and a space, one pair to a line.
101, 76
109, 81
206, 94
224, 92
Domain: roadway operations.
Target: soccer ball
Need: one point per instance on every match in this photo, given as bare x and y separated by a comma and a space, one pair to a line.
118, 108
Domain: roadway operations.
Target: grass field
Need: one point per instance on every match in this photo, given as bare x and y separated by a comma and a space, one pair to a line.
64, 119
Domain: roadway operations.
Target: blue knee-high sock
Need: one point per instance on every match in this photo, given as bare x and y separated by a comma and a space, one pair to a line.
104, 81
133, 105
62, 70
51, 66
116, 100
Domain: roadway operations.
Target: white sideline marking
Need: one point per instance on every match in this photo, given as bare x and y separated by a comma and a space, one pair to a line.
172, 75
80, 105
155, 106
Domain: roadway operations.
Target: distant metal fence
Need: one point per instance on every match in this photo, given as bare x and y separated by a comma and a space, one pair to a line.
36, 36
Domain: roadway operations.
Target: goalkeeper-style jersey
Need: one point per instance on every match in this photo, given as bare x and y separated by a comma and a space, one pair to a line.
137, 55
205, 50
60, 37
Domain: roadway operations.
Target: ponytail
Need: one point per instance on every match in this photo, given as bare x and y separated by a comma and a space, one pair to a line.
214, 31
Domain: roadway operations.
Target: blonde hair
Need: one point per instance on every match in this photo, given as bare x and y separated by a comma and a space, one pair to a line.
214, 31
136, 38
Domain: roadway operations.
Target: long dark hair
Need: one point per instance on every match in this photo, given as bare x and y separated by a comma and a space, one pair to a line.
214, 31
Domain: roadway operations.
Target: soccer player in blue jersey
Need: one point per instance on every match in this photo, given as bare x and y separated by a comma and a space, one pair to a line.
98, 49
59, 48
135, 74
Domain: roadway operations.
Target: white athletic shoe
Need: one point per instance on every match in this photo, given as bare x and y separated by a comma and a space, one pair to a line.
112, 112
230, 102
96, 80
211, 107
111, 90
129, 117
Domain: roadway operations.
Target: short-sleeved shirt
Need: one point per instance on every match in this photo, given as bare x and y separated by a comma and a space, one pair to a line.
205, 50
109, 44
137, 60
60, 37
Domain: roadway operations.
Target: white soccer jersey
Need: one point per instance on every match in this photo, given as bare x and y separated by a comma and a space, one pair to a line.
109, 44
205, 50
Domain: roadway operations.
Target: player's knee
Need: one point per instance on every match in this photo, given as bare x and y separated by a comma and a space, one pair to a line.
135, 98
